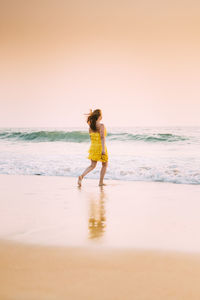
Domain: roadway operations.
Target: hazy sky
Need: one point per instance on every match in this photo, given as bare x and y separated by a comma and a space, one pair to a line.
139, 61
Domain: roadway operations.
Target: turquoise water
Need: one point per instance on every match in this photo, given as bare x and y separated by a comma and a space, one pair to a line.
78, 136
168, 154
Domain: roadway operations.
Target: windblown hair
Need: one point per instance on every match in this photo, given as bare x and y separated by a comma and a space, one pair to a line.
92, 118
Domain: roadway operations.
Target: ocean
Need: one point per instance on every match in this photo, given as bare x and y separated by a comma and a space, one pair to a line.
164, 154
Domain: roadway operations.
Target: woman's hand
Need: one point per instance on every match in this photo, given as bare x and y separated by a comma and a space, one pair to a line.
103, 153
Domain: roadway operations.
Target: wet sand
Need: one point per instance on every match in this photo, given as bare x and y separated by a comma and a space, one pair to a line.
54, 211
127, 240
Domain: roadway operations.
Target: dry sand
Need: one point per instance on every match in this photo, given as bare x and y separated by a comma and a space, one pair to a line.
33, 272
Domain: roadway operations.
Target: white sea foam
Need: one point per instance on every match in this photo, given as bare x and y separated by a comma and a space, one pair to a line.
145, 154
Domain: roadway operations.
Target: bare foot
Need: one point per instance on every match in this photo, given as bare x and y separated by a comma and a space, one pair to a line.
79, 180
100, 184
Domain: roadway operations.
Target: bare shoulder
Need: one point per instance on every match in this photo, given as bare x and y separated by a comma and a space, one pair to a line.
99, 126
102, 128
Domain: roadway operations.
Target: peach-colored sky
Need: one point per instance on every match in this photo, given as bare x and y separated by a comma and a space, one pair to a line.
136, 60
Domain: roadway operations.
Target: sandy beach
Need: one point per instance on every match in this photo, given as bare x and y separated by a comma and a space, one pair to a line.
33, 272
127, 240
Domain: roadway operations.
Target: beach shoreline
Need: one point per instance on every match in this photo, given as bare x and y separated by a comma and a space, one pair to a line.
50, 210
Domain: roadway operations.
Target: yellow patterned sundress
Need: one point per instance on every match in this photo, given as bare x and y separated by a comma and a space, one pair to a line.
96, 147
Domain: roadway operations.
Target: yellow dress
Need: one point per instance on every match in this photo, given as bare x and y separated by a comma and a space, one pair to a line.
96, 147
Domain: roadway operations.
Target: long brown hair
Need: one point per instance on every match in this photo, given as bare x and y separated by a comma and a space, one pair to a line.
92, 118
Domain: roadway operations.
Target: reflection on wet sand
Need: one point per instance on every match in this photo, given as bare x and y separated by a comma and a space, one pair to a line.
97, 219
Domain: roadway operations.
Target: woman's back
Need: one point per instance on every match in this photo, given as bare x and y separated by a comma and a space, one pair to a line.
96, 146
95, 136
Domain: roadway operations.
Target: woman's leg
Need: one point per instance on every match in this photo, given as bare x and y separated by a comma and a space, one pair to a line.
103, 171
87, 170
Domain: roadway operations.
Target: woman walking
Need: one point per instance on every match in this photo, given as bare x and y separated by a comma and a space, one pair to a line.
98, 150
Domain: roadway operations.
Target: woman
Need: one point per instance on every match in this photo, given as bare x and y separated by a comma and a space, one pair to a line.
98, 149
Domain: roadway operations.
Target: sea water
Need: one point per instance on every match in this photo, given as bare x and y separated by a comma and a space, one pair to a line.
165, 154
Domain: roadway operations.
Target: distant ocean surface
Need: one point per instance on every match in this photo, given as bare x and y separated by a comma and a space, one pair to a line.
166, 154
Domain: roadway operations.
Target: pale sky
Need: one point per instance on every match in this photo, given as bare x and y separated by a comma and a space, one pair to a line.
138, 61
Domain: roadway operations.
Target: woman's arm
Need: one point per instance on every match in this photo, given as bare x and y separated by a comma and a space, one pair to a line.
102, 135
